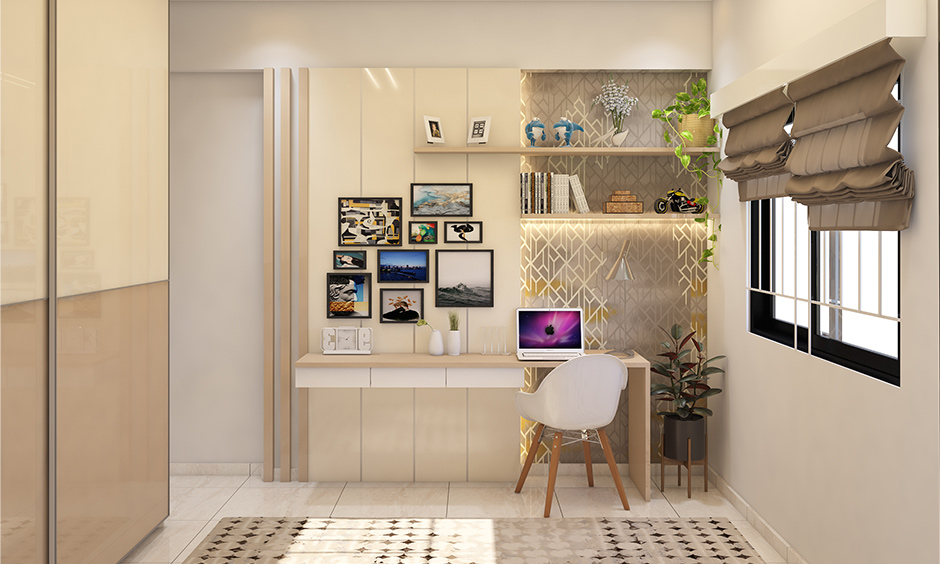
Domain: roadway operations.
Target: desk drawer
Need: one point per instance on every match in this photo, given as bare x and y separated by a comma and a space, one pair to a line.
485, 377
332, 378
408, 378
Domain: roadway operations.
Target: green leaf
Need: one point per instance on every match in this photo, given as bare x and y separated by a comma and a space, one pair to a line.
710, 140
678, 151
667, 138
713, 237
701, 411
709, 393
687, 135
658, 114
685, 159
699, 220
683, 97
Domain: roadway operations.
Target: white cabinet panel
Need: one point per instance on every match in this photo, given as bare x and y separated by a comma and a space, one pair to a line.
485, 377
332, 377
408, 377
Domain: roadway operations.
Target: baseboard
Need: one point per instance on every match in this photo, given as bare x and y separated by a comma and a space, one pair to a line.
225, 469
778, 543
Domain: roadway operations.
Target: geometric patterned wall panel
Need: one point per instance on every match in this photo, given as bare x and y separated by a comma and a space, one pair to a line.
564, 261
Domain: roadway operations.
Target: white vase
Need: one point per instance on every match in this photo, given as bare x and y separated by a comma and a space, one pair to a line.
617, 139
453, 343
436, 344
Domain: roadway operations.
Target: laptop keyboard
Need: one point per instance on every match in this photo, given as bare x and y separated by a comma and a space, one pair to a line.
549, 355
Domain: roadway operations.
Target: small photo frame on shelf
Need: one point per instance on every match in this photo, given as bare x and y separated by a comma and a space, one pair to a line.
463, 278
404, 305
349, 260
455, 200
422, 232
463, 231
348, 296
433, 129
479, 130
403, 266
369, 222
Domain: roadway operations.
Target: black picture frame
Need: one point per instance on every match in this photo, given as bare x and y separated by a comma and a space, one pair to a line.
441, 199
336, 304
463, 231
369, 221
463, 278
403, 265
391, 305
350, 259
422, 233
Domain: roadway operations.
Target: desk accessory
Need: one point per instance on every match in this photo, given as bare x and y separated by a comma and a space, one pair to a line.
621, 272
346, 340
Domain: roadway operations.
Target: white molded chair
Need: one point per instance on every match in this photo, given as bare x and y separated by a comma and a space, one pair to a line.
576, 398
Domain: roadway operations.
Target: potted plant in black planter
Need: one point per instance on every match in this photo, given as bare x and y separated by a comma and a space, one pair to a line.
686, 387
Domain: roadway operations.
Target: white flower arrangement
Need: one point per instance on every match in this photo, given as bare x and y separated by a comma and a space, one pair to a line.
617, 101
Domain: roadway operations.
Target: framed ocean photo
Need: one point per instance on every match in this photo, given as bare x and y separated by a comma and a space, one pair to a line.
403, 266
463, 278
452, 200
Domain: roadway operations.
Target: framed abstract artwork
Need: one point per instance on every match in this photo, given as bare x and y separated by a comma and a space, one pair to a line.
463, 278
405, 305
463, 231
370, 222
442, 200
422, 232
349, 260
348, 296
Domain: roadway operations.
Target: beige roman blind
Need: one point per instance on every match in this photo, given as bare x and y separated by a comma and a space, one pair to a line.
758, 146
842, 167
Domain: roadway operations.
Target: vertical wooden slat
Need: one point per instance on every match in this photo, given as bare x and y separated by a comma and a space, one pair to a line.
268, 269
285, 278
303, 172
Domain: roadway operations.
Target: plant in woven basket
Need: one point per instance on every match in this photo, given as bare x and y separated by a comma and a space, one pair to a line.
686, 383
616, 100
705, 165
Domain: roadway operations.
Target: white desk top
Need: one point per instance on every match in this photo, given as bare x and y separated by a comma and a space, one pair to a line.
418, 360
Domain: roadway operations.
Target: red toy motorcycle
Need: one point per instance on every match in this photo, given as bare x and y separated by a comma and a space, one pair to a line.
678, 202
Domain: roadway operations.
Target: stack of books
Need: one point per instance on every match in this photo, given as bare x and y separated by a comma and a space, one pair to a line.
544, 193
622, 201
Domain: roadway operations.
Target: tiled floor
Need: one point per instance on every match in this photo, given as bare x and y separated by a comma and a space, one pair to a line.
198, 502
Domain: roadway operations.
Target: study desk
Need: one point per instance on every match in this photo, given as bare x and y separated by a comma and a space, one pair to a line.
416, 417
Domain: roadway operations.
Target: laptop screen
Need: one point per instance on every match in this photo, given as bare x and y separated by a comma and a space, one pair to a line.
549, 329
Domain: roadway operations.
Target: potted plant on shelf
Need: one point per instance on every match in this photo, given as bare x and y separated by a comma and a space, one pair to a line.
453, 336
617, 102
688, 122
686, 387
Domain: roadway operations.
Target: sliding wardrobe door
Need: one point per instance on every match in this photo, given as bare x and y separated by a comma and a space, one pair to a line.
111, 376
24, 323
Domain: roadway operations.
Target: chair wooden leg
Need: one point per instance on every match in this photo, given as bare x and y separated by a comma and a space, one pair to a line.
609, 455
552, 472
533, 450
587, 463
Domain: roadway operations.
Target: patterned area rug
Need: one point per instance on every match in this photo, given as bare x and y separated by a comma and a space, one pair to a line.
473, 541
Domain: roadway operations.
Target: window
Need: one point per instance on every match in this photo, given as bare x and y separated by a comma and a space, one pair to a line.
832, 294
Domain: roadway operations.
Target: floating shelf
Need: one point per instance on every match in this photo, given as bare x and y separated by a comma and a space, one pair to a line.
562, 151
620, 216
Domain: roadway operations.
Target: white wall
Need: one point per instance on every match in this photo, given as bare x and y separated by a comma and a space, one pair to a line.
215, 267
843, 466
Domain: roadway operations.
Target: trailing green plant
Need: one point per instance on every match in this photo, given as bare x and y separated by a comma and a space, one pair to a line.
704, 165
687, 377
453, 318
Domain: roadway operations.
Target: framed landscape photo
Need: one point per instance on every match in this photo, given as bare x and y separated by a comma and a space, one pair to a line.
405, 305
454, 200
463, 231
348, 296
349, 260
370, 222
403, 266
479, 130
422, 232
463, 278
433, 129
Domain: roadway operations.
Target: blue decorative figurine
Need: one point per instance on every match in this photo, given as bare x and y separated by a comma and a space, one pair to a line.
531, 133
566, 127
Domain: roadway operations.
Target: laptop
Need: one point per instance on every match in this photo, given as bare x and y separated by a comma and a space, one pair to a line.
549, 333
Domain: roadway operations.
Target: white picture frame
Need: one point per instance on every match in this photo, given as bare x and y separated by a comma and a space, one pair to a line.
433, 129
479, 130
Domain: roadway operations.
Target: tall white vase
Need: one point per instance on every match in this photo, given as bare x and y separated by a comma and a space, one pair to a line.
453, 343
436, 344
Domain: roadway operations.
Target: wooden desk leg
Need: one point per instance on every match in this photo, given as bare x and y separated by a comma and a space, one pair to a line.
587, 462
638, 417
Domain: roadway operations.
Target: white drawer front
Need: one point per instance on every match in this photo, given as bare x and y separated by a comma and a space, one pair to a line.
408, 378
332, 378
485, 377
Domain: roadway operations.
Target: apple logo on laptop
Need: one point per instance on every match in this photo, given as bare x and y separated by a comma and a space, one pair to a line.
550, 330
